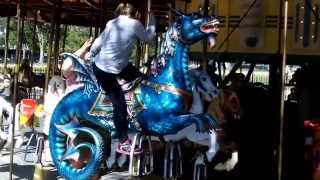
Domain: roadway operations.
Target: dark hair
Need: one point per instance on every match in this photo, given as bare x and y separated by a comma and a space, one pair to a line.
125, 9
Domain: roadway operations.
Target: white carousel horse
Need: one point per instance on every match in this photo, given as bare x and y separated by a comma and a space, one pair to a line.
6, 110
6, 113
202, 87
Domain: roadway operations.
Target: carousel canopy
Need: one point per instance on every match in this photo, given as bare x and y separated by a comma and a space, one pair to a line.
81, 12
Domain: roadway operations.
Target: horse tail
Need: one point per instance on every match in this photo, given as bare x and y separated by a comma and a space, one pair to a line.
67, 145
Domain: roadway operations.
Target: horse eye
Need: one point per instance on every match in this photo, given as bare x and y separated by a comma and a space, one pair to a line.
204, 79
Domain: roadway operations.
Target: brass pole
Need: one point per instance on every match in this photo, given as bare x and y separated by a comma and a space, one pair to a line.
146, 48
283, 67
50, 48
65, 33
156, 45
138, 54
6, 46
205, 41
34, 39
56, 40
15, 87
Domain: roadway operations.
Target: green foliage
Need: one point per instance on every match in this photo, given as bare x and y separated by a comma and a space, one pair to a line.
76, 36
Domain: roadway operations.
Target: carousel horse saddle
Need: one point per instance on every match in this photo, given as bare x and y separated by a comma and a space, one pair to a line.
103, 107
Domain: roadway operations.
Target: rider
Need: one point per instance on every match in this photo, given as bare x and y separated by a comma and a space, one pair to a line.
111, 51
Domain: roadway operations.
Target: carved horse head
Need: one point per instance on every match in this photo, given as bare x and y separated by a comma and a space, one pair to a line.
195, 27
202, 87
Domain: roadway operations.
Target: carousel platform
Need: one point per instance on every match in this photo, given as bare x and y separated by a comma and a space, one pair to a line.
25, 166
25, 170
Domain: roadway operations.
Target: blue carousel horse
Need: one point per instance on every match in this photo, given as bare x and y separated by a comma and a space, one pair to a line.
160, 104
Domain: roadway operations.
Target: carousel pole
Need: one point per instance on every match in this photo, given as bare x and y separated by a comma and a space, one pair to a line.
18, 58
90, 31
98, 21
65, 33
205, 41
138, 54
51, 35
34, 28
185, 6
56, 38
283, 67
146, 47
6, 46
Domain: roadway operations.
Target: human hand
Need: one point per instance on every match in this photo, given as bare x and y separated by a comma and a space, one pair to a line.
88, 43
88, 56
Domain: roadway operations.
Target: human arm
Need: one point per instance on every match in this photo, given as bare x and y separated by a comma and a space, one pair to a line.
146, 34
84, 49
97, 44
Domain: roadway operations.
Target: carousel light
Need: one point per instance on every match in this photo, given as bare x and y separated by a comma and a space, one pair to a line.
167, 16
302, 7
313, 23
301, 21
300, 37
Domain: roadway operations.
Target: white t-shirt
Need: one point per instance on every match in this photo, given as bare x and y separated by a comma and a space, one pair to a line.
114, 45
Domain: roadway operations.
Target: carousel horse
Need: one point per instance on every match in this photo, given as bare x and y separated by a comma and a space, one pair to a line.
6, 110
86, 109
202, 87
226, 108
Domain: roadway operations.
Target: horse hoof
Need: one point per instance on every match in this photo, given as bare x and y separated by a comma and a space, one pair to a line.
221, 167
229, 164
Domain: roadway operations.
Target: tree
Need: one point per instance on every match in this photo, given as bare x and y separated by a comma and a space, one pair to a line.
76, 36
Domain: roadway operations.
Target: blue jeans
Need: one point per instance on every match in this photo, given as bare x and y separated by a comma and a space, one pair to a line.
110, 85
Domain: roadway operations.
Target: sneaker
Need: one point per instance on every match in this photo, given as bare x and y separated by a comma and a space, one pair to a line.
125, 148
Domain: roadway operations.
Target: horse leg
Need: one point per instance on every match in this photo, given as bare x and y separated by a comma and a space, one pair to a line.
208, 139
18, 134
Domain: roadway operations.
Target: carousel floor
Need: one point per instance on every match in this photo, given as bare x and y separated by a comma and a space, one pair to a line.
23, 170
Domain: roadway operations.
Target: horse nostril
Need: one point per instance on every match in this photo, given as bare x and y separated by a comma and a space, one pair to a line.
211, 96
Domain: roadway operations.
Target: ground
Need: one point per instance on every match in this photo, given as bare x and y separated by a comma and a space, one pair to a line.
24, 170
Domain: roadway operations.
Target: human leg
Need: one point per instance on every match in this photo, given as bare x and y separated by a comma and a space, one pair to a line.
110, 84
130, 73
